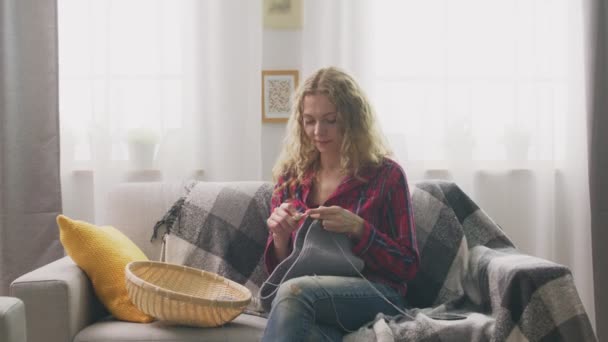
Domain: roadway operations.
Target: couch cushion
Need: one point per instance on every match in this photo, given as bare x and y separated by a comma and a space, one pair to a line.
243, 328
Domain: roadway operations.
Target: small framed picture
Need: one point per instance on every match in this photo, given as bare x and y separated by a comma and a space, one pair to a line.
282, 14
278, 87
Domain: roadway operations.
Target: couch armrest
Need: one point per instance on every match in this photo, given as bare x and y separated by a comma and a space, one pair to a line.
12, 320
533, 294
59, 301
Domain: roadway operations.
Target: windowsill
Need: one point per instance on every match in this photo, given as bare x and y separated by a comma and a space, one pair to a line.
144, 175
138, 175
483, 165
197, 171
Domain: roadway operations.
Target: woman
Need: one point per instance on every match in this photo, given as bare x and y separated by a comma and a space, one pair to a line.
334, 167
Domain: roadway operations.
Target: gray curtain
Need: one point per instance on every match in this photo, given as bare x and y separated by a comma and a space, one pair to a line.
30, 192
597, 15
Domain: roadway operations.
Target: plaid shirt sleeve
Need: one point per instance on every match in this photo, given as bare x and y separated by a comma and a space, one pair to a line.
390, 247
270, 259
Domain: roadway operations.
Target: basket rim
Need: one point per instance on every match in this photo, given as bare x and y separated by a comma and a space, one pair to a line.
171, 294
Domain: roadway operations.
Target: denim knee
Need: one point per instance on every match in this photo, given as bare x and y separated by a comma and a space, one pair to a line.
296, 289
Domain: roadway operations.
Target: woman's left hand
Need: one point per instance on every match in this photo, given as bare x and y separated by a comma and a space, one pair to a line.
337, 219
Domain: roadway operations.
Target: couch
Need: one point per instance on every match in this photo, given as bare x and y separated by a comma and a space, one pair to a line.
468, 266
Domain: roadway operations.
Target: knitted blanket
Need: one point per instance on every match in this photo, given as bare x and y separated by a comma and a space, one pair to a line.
469, 266
220, 228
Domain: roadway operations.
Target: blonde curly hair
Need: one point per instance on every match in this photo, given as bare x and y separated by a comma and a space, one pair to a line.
363, 144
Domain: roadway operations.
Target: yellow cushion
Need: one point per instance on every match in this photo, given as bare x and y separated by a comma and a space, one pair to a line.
103, 253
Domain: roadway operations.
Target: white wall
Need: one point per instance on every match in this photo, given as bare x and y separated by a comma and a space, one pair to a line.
282, 50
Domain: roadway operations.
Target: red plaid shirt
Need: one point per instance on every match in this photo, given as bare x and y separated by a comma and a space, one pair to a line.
388, 244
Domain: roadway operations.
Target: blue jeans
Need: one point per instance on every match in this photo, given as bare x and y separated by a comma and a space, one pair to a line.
324, 308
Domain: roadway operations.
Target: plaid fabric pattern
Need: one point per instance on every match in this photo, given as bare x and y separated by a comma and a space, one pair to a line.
221, 228
469, 266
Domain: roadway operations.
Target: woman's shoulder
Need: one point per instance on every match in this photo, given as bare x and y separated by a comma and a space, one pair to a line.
392, 174
389, 162
388, 169
391, 166
286, 177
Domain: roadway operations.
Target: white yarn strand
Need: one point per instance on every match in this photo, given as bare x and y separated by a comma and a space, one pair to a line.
372, 285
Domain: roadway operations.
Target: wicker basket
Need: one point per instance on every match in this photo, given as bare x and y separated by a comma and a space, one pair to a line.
184, 295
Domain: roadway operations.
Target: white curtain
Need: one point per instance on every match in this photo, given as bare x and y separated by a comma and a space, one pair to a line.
337, 33
489, 94
156, 90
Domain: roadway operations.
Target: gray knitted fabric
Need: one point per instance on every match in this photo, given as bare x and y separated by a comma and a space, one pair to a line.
316, 251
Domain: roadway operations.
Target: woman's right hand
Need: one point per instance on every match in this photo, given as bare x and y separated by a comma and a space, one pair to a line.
282, 222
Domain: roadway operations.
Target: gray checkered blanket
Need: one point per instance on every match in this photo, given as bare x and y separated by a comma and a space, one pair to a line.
468, 266
220, 228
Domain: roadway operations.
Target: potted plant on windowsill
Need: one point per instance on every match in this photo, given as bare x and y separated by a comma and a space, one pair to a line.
142, 143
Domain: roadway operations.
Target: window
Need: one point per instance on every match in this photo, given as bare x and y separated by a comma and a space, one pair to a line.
121, 67
473, 79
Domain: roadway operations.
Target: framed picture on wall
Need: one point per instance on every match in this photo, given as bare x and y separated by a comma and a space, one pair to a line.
278, 87
282, 14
